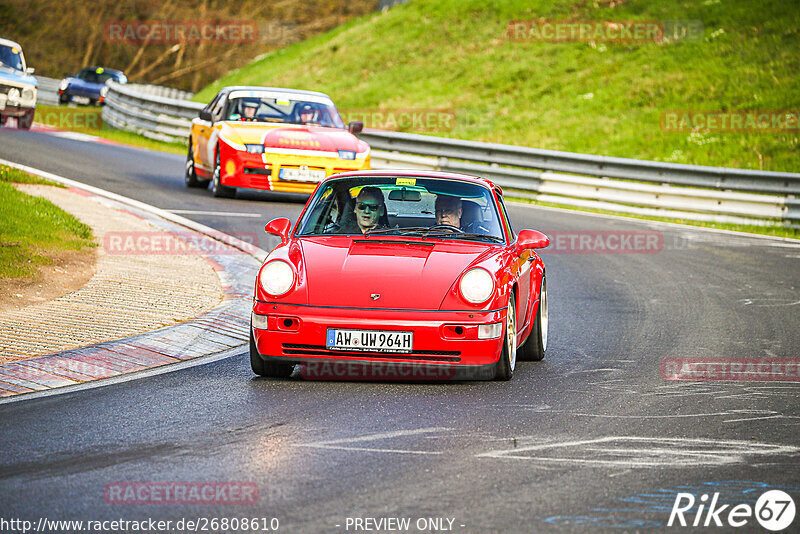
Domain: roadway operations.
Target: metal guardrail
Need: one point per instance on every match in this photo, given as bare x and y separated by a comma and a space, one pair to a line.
151, 111
47, 92
626, 185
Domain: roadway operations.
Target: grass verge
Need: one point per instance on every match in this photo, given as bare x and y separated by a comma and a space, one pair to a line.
457, 59
33, 230
88, 120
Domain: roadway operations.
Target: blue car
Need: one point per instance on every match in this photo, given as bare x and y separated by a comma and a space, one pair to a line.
89, 83
17, 86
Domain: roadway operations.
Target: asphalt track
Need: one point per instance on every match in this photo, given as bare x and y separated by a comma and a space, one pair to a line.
590, 439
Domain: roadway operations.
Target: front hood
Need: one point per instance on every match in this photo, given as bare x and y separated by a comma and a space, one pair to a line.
16, 77
345, 272
296, 137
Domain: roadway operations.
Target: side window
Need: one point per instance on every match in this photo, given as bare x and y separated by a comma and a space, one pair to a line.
219, 108
506, 220
211, 104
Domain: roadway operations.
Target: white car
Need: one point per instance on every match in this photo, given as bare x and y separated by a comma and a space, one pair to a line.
17, 86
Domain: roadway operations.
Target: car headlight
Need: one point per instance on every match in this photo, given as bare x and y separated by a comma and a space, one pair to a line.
276, 277
104, 91
255, 149
29, 95
476, 285
63, 85
13, 95
347, 154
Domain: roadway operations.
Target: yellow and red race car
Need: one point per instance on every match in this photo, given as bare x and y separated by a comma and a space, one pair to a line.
271, 139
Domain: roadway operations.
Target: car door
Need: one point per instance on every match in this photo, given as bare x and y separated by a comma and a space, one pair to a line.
521, 267
79, 88
201, 132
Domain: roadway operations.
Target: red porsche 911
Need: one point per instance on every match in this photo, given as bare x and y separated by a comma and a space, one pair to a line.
401, 268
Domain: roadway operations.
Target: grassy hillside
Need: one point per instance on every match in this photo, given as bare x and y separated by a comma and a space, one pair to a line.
597, 98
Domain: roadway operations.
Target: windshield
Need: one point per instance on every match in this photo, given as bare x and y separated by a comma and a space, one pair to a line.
282, 109
403, 205
99, 75
11, 56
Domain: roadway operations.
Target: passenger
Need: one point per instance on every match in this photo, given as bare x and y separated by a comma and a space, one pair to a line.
308, 114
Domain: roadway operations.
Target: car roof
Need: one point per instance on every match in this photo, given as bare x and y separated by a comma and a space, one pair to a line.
275, 89
420, 174
9, 42
105, 69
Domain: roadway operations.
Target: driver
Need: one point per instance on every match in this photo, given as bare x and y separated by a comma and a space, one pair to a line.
249, 109
449, 210
246, 110
369, 211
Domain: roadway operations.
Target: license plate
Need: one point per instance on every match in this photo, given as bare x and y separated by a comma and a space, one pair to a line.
370, 340
302, 175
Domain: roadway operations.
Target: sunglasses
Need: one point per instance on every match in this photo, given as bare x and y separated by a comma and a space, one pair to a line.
363, 206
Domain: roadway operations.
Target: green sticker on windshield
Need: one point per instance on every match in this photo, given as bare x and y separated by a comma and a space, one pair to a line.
99, 70
15, 50
283, 102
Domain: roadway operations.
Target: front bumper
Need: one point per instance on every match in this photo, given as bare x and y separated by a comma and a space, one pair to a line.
446, 341
262, 171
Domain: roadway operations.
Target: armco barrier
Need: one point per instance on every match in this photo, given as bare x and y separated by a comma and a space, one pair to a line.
47, 93
626, 185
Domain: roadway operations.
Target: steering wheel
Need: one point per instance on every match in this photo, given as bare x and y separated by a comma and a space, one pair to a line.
447, 227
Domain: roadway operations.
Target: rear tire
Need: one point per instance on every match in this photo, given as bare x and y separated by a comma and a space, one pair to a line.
190, 174
217, 189
508, 357
264, 368
535, 346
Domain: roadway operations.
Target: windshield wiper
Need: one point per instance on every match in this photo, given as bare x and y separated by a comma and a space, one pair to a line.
464, 235
428, 231
401, 231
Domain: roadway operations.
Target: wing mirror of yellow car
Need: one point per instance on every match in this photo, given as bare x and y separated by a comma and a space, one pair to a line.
355, 126
205, 116
531, 239
279, 227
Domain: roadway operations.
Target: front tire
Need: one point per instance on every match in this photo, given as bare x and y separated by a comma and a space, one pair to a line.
217, 189
535, 346
264, 368
26, 121
190, 175
508, 357
64, 99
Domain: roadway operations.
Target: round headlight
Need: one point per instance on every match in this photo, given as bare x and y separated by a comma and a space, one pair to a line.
276, 277
104, 91
63, 85
476, 286
28, 94
13, 95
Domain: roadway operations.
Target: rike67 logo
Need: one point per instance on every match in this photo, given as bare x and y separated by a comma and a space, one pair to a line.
774, 510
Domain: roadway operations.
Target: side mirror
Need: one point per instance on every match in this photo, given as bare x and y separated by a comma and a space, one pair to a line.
30, 70
279, 227
531, 239
355, 126
206, 116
